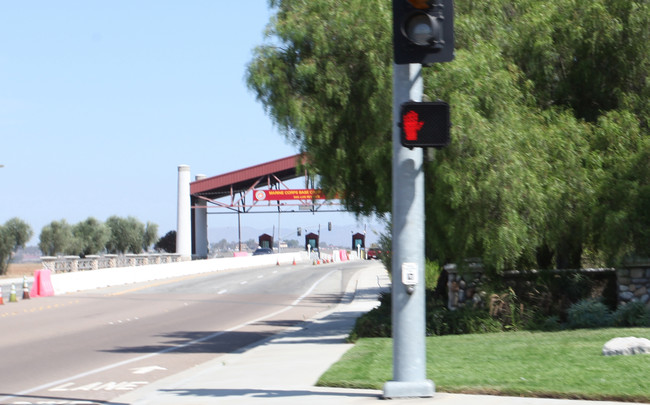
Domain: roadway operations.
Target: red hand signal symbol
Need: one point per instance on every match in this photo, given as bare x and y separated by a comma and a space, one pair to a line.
412, 124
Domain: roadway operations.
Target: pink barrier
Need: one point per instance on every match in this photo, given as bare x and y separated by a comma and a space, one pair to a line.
240, 254
42, 286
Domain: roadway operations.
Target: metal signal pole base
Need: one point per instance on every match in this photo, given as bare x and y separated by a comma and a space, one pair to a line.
409, 389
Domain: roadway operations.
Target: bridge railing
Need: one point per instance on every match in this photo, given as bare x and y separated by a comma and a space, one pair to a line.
65, 264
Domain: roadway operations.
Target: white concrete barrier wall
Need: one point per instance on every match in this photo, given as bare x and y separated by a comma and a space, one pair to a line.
87, 280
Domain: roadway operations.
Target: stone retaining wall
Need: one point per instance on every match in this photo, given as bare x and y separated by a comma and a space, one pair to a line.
634, 283
616, 287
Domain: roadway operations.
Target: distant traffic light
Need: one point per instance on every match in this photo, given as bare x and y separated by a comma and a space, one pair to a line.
423, 31
425, 125
329, 226
299, 231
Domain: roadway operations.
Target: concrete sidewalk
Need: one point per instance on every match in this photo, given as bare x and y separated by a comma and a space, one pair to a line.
284, 368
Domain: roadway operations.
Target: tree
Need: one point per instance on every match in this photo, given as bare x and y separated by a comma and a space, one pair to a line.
222, 245
13, 234
55, 238
20, 232
90, 237
167, 243
126, 235
5, 250
621, 220
251, 244
327, 85
541, 96
150, 235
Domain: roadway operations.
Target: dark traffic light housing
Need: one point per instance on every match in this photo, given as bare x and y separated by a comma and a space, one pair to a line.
423, 31
425, 125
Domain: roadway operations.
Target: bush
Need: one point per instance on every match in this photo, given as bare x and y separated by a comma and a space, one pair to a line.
589, 314
375, 323
431, 274
442, 321
632, 314
551, 293
551, 324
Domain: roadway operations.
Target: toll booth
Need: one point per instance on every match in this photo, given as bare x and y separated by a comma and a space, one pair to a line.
266, 241
358, 239
311, 239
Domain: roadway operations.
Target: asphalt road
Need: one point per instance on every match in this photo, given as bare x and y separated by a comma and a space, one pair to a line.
90, 347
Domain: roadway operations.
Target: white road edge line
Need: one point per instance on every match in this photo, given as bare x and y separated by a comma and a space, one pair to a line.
170, 349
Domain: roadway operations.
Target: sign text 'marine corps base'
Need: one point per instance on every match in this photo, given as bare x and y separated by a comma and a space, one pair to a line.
298, 194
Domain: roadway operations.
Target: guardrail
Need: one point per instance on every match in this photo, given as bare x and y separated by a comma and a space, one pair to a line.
66, 264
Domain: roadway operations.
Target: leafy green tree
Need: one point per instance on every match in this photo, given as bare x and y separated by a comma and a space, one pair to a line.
55, 238
251, 244
221, 245
327, 86
5, 250
167, 243
90, 237
126, 235
20, 232
13, 234
545, 101
150, 235
621, 219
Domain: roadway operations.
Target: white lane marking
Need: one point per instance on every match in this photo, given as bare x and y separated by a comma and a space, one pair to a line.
222, 292
260, 276
146, 370
244, 282
169, 349
126, 320
101, 386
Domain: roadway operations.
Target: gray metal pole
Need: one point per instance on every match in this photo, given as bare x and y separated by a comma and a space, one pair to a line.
409, 345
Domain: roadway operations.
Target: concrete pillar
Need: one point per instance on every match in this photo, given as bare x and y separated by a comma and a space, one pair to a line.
184, 224
201, 225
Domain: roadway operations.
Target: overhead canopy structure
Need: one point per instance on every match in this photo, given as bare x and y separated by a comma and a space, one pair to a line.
233, 192
242, 181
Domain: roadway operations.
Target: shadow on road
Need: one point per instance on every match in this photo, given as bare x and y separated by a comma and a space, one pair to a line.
42, 399
329, 330
256, 393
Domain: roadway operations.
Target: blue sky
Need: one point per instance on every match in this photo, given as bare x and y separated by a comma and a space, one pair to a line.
100, 101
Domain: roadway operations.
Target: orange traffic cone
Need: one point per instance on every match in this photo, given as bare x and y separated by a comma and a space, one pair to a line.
294, 261
25, 289
2, 301
277, 263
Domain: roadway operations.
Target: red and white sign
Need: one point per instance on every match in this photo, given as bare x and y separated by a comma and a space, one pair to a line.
299, 194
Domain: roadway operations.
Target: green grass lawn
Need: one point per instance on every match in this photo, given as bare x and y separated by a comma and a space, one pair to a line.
536, 364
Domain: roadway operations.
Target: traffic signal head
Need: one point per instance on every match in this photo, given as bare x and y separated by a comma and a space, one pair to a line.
299, 231
423, 31
425, 125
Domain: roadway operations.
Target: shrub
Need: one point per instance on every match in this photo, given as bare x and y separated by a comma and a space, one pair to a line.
375, 323
632, 314
431, 273
589, 314
442, 321
551, 324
